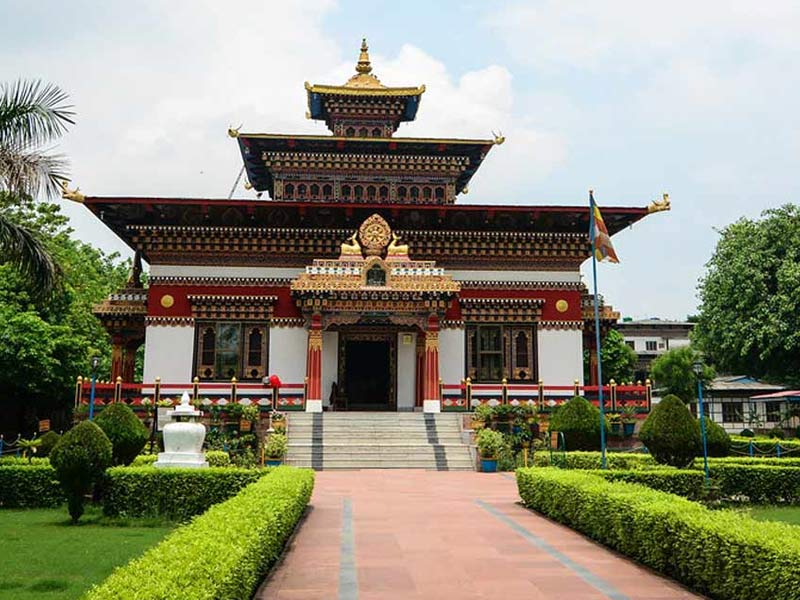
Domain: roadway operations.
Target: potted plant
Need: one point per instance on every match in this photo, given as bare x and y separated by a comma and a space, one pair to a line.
615, 420
278, 421
490, 443
248, 417
275, 449
628, 416
481, 416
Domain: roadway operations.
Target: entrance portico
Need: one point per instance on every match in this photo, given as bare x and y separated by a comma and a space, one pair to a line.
370, 295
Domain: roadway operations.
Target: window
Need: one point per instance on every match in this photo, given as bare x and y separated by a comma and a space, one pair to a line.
327, 191
314, 190
376, 132
498, 351
650, 346
732, 412
231, 349
288, 191
773, 412
376, 276
630, 344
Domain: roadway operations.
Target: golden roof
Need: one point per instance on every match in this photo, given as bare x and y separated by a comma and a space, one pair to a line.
364, 83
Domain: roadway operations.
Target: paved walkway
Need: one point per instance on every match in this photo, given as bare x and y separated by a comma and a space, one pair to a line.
443, 535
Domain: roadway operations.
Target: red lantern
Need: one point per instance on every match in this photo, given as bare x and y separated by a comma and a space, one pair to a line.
274, 381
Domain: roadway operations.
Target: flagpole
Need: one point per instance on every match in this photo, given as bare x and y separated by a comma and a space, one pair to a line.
597, 336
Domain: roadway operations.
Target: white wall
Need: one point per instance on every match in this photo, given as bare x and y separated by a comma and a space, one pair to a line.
560, 356
561, 276
288, 347
330, 363
406, 371
451, 355
168, 353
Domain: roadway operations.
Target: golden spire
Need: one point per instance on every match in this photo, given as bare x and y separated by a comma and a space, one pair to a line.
364, 66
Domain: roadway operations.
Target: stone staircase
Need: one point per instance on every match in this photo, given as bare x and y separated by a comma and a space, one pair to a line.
377, 440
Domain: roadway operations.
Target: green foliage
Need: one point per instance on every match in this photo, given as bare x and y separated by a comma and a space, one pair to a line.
490, 443
619, 359
276, 445
671, 433
47, 345
747, 433
749, 318
127, 433
483, 412
673, 373
144, 460
763, 444
19, 460
579, 421
29, 486
46, 444
172, 493
79, 459
758, 483
204, 560
592, 460
681, 482
713, 552
218, 458
777, 432
718, 442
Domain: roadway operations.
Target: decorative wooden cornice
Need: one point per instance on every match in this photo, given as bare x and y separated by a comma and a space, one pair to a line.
451, 324
219, 281
471, 284
506, 310
170, 321
307, 163
240, 308
560, 324
288, 322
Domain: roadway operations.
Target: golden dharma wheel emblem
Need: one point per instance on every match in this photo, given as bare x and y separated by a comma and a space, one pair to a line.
167, 301
374, 234
562, 305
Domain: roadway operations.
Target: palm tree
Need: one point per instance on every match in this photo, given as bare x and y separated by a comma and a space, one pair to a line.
32, 115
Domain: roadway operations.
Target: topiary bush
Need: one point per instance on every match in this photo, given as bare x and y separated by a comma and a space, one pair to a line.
747, 433
46, 444
579, 421
218, 458
671, 434
717, 439
127, 433
79, 459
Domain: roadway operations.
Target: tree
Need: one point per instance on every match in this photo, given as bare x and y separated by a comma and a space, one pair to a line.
579, 421
44, 346
749, 319
126, 432
673, 373
619, 359
32, 115
671, 433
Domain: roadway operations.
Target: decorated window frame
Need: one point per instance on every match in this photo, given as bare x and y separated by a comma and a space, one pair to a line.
497, 351
226, 349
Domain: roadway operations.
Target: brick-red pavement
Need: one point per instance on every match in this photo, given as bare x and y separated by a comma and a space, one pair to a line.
442, 535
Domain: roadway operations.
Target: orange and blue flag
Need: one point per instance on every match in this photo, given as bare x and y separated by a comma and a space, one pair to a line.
598, 232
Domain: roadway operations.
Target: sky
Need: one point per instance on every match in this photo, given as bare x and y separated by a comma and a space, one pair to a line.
629, 98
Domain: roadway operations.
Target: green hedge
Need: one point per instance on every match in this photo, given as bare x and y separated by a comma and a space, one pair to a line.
758, 484
29, 486
591, 460
171, 493
746, 460
19, 460
764, 444
724, 554
223, 553
144, 460
682, 482
215, 458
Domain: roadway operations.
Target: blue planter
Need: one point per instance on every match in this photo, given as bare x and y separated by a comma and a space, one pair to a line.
489, 465
273, 462
627, 429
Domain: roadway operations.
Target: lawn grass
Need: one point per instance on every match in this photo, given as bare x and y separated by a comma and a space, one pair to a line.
787, 514
43, 556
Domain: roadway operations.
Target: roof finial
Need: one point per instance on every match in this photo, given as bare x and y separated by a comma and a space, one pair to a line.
364, 66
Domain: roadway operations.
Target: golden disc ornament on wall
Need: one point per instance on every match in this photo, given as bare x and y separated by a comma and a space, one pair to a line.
562, 306
167, 301
374, 234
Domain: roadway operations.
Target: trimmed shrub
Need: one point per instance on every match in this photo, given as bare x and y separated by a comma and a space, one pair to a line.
757, 483
29, 486
218, 458
579, 421
723, 554
681, 482
19, 460
145, 460
177, 494
127, 433
747, 433
46, 444
79, 459
717, 439
763, 445
746, 460
592, 460
671, 434
222, 554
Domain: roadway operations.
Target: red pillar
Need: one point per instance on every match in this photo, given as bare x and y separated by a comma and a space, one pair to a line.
420, 372
129, 362
431, 381
117, 352
314, 360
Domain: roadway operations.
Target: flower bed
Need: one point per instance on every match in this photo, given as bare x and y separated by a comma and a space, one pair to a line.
223, 553
724, 554
171, 493
29, 486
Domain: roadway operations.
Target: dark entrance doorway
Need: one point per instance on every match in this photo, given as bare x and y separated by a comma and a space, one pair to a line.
368, 378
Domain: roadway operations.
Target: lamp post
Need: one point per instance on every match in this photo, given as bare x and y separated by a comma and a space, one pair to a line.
95, 364
698, 371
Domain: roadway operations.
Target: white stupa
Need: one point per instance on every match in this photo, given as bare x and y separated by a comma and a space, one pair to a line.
183, 438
